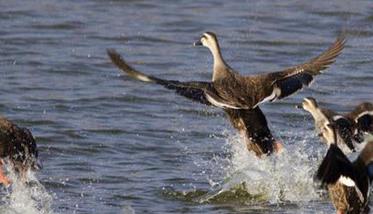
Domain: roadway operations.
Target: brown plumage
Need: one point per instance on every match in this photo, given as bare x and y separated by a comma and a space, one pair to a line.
232, 90
18, 148
350, 127
348, 183
250, 123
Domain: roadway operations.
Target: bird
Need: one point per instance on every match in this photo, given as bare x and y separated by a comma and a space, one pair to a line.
351, 127
250, 123
323, 118
240, 96
348, 184
362, 117
229, 89
18, 149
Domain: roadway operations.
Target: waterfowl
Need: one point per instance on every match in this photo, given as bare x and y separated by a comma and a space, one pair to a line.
229, 89
348, 183
250, 123
323, 118
362, 116
238, 95
17, 148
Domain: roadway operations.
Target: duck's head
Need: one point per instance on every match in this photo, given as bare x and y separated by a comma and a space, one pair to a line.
309, 104
209, 40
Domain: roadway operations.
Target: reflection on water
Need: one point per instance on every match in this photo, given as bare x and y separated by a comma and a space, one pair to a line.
112, 144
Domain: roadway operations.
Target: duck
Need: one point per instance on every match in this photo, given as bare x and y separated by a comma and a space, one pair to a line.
323, 118
348, 183
229, 89
18, 149
251, 124
240, 96
362, 117
352, 128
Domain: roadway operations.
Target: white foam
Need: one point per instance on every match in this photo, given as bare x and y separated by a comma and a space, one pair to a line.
21, 198
284, 177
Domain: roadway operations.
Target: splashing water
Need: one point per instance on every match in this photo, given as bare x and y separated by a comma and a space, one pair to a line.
282, 178
286, 177
25, 198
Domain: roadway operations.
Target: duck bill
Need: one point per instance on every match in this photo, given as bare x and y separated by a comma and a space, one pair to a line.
197, 43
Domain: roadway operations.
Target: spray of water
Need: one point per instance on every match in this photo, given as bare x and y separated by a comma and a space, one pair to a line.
30, 197
283, 178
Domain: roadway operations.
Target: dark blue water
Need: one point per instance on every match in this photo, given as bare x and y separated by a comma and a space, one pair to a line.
114, 145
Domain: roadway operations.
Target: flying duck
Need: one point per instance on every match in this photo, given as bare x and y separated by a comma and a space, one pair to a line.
229, 89
323, 118
362, 116
348, 183
250, 123
232, 92
17, 148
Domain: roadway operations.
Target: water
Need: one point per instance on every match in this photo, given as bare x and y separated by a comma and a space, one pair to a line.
113, 145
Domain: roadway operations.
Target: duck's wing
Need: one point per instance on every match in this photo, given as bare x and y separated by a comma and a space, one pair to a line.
336, 167
291, 80
345, 130
362, 115
193, 90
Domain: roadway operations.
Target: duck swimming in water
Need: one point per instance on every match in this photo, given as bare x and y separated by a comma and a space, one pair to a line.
348, 184
17, 148
238, 95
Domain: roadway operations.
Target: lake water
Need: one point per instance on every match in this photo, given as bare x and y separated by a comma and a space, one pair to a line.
110, 144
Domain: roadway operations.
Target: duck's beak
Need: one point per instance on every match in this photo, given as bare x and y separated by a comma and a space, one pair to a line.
198, 43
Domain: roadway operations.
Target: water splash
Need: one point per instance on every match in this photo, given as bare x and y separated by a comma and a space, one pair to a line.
243, 178
30, 197
287, 177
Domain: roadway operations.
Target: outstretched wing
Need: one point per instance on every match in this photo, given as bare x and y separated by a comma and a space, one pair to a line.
192, 90
363, 117
345, 130
336, 167
291, 80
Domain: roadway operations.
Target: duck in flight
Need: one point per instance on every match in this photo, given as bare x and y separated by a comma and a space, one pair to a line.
238, 95
350, 128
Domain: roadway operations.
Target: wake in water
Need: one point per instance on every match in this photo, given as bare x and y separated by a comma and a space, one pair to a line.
30, 197
277, 179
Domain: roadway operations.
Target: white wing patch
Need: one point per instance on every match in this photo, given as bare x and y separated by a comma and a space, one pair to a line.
143, 78
337, 117
346, 181
363, 113
275, 93
219, 104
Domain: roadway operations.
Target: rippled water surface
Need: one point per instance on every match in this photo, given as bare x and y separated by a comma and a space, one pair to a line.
114, 145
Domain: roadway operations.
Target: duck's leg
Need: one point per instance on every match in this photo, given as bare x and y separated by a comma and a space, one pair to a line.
278, 146
340, 212
3, 178
252, 126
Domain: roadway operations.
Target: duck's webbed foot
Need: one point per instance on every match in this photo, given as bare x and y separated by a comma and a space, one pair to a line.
3, 178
